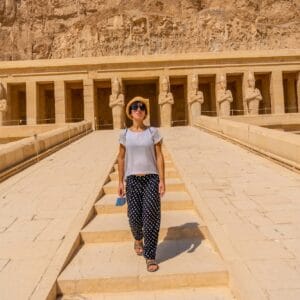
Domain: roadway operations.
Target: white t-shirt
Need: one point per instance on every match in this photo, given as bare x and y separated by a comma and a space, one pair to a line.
140, 154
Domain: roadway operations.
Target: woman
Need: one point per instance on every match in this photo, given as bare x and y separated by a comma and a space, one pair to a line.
141, 165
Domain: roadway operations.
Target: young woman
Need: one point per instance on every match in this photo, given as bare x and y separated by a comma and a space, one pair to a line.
141, 166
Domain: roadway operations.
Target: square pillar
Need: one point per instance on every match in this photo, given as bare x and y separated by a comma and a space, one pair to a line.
277, 94
244, 88
4, 114
60, 101
298, 91
31, 103
89, 103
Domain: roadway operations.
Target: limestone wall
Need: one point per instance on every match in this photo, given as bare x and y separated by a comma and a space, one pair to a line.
14, 153
65, 28
282, 146
266, 120
25, 131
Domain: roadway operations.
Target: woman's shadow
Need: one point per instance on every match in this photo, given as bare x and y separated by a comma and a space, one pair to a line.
179, 239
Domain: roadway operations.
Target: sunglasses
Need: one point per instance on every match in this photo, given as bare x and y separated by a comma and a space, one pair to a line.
135, 106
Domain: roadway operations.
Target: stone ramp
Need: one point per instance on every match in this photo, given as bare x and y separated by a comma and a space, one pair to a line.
43, 208
106, 262
251, 207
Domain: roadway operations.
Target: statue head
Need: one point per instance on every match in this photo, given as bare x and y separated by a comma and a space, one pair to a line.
222, 82
251, 80
2, 92
194, 82
3, 105
115, 85
165, 84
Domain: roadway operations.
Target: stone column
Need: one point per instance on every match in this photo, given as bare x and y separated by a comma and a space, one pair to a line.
217, 84
298, 92
3, 103
245, 86
276, 91
60, 101
89, 103
31, 103
292, 97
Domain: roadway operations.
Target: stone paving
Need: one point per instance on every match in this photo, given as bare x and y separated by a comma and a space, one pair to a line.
39, 206
251, 206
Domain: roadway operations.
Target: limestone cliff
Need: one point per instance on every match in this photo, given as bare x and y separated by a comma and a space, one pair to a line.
34, 29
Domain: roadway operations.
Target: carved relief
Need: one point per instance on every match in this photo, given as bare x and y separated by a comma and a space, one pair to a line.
64, 28
165, 101
116, 102
195, 99
252, 96
224, 97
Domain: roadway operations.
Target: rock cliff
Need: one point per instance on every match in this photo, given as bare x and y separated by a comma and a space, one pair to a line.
31, 29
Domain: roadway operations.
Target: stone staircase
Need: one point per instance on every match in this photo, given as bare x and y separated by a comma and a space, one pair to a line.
106, 266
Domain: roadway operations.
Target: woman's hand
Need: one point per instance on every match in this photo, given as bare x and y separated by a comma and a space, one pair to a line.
161, 187
121, 189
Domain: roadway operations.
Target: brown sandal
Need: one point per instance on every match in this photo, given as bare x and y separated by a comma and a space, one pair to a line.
151, 262
138, 247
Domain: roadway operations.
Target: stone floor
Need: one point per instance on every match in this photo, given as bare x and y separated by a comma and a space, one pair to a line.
250, 205
41, 205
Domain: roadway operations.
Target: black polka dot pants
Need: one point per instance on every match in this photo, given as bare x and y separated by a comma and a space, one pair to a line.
143, 202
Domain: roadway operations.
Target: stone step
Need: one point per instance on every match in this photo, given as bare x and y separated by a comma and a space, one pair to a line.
115, 227
172, 184
114, 267
204, 293
170, 201
169, 173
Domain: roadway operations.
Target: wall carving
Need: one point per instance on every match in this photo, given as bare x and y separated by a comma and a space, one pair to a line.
57, 28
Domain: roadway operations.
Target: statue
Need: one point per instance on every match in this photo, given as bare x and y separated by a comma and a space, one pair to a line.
165, 101
252, 96
195, 99
224, 97
3, 103
116, 103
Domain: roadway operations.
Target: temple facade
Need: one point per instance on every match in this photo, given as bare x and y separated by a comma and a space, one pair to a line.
178, 87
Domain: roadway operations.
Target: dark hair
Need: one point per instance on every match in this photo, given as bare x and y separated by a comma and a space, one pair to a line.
138, 101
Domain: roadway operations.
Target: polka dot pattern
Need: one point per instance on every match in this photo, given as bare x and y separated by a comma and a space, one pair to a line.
144, 214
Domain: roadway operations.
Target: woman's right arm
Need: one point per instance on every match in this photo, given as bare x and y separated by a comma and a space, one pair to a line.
121, 161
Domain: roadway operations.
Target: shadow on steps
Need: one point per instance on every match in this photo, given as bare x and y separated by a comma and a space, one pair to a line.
186, 243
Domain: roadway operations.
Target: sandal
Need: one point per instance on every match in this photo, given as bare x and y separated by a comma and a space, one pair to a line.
151, 262
138, 247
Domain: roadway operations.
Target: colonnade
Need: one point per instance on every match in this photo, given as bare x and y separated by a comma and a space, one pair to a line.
174, 99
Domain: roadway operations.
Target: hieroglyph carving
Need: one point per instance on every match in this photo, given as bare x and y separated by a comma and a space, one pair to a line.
224, 97
165, 101
252, 96
116, 103
83, 28
195, 99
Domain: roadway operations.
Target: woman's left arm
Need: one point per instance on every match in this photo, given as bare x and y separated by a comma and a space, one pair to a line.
161, 167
